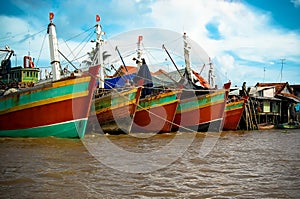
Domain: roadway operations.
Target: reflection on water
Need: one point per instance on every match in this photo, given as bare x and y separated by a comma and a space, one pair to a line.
257, 164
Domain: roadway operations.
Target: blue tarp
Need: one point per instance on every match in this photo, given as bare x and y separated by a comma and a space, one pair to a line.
297, 107
117, 82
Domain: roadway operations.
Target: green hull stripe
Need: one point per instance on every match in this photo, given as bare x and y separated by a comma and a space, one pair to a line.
200, 102
114, 100
40, 94
70, 129
157, 101
233, 106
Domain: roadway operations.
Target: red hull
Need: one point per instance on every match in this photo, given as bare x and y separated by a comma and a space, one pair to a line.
194, 118
232, 117
205, 117
157, 119
46, 115
52, 112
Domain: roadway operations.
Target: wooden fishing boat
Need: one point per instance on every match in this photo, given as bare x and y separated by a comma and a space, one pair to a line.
265, 126
233, 113
289, 125
114, 111
201, 107
58, 107
156, 113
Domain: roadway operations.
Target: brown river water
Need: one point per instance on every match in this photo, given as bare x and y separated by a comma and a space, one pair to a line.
254, 164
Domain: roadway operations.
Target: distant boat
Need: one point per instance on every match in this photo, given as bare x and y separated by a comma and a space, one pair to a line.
233, 114
58, 107
289, 125
265, 126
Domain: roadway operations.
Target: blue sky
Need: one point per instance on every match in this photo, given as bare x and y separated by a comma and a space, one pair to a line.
246, 39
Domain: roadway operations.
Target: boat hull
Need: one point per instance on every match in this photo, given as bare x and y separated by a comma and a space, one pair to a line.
70, 129
291, 125
114, 112
233, 114
201, 113
156, 114
57, 108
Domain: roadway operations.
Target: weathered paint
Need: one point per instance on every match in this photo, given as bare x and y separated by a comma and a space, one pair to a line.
115, 111
114, 100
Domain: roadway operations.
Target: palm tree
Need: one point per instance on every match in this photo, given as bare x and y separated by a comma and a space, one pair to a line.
91, 56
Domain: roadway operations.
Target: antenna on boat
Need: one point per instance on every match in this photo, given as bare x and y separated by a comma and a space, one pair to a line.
211, 76
54, 54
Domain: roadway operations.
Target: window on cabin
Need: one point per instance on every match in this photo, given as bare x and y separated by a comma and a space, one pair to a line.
266, 108
275, 107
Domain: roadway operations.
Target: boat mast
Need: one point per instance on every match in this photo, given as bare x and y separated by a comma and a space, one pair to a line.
54, 54
186, 48
98, 58
139, 52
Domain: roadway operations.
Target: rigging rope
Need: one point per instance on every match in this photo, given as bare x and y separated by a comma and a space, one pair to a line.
85, 41
28, 36
80, 34
37, 62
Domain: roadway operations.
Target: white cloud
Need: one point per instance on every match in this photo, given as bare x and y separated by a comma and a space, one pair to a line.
296, 3
246, 33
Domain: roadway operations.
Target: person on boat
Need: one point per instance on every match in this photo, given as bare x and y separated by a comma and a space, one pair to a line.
144, 78
293, 112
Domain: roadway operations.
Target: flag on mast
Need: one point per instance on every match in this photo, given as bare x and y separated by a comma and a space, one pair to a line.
97, 18
51, 16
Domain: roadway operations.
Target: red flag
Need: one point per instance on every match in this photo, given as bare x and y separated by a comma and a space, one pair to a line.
97, 18
140, 38
51, 16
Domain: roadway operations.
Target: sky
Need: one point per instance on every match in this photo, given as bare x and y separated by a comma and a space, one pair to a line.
247, 40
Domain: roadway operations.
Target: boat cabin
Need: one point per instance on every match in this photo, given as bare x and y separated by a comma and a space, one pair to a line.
18, 77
